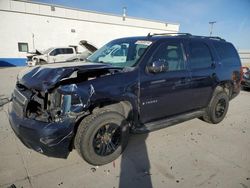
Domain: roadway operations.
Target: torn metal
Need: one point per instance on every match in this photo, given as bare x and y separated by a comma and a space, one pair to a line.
30, 55
48, 100
52, 92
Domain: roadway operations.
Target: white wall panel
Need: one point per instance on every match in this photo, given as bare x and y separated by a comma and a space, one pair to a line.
53, 28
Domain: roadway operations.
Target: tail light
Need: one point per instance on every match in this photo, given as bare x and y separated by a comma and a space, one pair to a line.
236, 76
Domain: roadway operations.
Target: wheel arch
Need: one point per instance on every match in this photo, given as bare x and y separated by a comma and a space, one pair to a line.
124, 107
226, 86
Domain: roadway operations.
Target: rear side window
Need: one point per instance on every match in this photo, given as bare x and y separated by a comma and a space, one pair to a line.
68, 51
199, 56
227, 54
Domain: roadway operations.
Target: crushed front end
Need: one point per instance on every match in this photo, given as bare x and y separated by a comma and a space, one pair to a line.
47, 102
39, 122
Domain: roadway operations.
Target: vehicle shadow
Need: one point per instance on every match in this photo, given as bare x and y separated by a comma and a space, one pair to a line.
245, 89
135, 165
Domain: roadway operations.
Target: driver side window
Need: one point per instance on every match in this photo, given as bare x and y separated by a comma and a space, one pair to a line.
172, 56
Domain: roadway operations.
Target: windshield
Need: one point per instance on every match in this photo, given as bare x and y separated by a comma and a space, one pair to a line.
120, 52
47, 51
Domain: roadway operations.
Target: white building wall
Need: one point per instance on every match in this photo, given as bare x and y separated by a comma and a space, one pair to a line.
21, 20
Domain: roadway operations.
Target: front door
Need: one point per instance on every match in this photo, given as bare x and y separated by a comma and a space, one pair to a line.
165, 93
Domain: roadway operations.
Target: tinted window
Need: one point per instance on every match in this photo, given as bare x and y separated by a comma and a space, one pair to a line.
171, 54
56, 52
67, 51
227, 54
200, 56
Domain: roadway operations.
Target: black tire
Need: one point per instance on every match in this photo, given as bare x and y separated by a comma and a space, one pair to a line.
217, 109
94, 127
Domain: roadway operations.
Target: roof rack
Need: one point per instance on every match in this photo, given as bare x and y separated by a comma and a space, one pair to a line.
158, 34
210, 37
187, 35
216, 38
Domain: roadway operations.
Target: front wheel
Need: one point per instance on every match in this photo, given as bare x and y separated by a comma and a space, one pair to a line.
102, 137
40, 62
217, 109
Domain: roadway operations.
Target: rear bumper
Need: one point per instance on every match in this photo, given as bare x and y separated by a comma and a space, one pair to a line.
51, 139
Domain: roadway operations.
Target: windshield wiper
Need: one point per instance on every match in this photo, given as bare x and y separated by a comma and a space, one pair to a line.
105, 63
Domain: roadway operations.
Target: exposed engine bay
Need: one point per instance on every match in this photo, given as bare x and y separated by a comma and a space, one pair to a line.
60, 98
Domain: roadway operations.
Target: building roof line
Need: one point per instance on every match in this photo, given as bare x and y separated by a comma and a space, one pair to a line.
96, 12
108, 23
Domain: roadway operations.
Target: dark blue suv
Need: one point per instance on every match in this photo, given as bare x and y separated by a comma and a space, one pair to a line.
130, 85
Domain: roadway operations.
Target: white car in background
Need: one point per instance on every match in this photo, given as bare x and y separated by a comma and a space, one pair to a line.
60, 54
51, 55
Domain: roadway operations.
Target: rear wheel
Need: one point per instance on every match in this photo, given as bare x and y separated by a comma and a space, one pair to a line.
217, 109
102, 137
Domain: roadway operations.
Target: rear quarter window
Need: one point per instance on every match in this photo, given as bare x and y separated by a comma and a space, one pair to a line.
227, 54
67, 51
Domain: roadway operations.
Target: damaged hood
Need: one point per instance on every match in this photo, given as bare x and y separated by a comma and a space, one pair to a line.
91, 48
45, 77
31, 54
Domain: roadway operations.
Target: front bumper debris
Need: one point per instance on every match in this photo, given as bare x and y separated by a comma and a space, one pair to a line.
52, 139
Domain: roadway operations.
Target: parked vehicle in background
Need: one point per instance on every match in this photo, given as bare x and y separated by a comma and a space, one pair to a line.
51, 55
130, 85
245, 82
90, 48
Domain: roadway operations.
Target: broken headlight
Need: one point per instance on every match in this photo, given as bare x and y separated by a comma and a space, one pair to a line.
71, 102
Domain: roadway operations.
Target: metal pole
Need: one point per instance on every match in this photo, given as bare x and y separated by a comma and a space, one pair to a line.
124, 15
211, 28
33, 41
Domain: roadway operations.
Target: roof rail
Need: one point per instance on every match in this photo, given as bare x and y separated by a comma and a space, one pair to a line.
158, 34
187, 35
209, 37
216, 38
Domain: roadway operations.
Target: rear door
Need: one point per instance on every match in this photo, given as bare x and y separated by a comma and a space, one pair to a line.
166, 93
203, 75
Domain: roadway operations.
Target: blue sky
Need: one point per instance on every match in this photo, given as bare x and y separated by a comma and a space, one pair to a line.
232, 16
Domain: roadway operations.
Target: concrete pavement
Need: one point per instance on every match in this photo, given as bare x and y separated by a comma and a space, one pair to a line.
190, 154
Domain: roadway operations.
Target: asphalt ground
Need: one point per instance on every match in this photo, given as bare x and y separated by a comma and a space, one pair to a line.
190, 154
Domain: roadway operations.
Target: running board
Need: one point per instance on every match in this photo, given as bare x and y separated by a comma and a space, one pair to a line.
156, 125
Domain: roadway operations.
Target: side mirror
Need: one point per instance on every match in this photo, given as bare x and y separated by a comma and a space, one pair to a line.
158, 66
